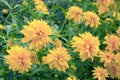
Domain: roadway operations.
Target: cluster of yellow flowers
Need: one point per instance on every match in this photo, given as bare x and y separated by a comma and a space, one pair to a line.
37, 34
40, 6
76, 14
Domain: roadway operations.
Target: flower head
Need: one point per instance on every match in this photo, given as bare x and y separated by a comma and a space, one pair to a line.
18, 59
112, 41
91, 19
87, 45
75, 13
114, 70
2, 27
100, 73
105, 3
58, 58
103, 9
71, 77
57, 43
4, 11
40, 6
37, 33
107, 57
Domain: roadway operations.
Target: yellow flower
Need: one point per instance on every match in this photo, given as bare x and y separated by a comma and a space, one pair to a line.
112, 41
38, 2
107, 57
118, 31
34, 58
4, 11
75, 13
105, 3
43, 9
58, 59
71, 78
2, 27
100, 73
37, 33
114, 70
103, 9
87, 45
25, 3
57, 43
18, 59
40, 6
91, 19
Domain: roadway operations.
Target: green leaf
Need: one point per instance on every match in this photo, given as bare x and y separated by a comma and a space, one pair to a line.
6, 3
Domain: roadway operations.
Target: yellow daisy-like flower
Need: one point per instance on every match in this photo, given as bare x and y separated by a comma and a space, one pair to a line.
114, 70
100, 73
40, 6
58, 59
107, 57
57, 43
87, 45
91, 19
105, 3
75, 13
37, 33
18, 59
71, 78
118, 31
112, 41
103, 9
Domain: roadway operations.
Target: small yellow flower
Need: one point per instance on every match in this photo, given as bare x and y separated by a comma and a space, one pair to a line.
25, 3
43, 9
114, 70
37, 33
107, 57
58, 58
2, 27
105, 3
91, 19
57, 43
103, 9
71, 78
40, 6
75, 13
4, 11
112, 41
100, 73
18, 59
87, 45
